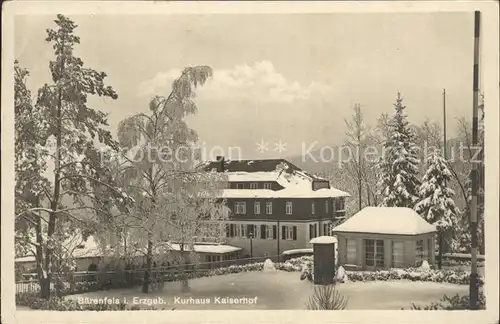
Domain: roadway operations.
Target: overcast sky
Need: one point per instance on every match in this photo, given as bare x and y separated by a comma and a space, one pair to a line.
292, 78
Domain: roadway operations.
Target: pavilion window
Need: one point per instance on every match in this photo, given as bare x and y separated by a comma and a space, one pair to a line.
374, 253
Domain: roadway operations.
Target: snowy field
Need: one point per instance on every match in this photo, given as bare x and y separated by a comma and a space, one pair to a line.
284, 290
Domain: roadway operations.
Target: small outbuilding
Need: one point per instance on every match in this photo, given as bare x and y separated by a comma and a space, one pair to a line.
385, 237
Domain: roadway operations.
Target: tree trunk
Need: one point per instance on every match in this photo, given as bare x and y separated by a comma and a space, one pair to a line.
147, 271
368, 197
45, 289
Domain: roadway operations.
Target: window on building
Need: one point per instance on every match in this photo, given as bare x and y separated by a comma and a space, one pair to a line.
241, 207
419, 252
241, 230
230, 230
374, 255
326, 206
397, 254
271, 232
313, 208
240, 186
256, 208
268, 185
250, 231
288, 207
253, 185
269, 207
339, 204
326, 229
256, 232
313, 230
289, 233
351, 251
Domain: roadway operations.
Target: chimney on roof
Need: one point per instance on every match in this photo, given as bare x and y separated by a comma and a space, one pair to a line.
220, 164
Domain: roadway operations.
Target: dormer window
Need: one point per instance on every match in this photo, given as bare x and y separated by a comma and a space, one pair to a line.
240, 186
268, 185
253, 185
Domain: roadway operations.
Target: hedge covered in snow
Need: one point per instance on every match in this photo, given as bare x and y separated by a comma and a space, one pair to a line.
455, 302
413, 274
447, 276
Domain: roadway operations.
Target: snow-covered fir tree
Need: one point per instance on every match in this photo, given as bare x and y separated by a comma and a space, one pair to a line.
399, 182
437, 205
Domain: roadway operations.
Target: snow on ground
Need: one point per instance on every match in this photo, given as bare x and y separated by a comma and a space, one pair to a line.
284, 290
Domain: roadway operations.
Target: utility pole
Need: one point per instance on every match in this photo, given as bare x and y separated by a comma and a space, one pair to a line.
441, 232
473, 285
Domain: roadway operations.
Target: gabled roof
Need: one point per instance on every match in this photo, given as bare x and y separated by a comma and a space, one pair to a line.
386, 220
295, 182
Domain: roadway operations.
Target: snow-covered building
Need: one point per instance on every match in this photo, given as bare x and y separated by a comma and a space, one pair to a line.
385, 237
87, 252
275, 206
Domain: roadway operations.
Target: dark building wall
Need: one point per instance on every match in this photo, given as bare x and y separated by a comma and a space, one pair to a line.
301, 208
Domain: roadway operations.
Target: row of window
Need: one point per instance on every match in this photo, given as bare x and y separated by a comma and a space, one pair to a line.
240, 207
266, 232
313, 230
253, 185
375, 253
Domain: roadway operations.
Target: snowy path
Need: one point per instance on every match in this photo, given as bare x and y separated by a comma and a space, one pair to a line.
284, 290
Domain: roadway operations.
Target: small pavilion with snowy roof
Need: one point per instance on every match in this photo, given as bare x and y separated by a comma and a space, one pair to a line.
385, 237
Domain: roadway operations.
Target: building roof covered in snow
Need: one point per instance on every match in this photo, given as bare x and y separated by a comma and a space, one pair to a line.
293, 182
213, 248
81, 249
386, 220
90, 249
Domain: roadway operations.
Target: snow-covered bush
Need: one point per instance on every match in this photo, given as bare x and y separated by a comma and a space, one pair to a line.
413, 274
456, 302
307, 272
424, 266
341, 275
268, 266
